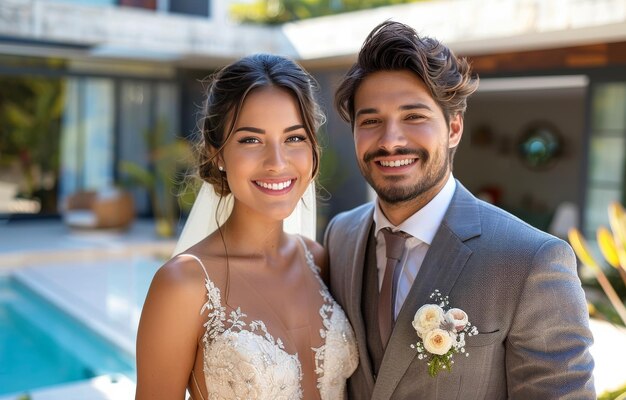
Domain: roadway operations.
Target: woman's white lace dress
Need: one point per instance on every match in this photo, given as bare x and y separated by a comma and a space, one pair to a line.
243, 361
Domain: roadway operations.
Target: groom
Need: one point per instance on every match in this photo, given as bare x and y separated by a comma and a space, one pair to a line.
405, 98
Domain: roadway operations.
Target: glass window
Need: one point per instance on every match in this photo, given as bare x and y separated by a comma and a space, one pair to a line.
609, 108
91, 2
606, 157
87, 135
135, 123
149, 119
190, 7
597, 214
63, 135
167, 109
147, 4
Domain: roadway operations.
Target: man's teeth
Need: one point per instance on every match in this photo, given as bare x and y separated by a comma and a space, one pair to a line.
274, 186
397, 163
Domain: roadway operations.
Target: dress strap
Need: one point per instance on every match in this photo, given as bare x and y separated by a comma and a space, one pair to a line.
310, 260
206, 274
307, 253
213, 306
303, 243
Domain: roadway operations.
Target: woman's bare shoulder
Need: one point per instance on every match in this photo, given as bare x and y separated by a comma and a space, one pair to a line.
187, 271
180, 270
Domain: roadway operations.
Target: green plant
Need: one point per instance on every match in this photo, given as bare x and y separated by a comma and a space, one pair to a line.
168, 159
30, 118
612, 245
280, 11
617, 394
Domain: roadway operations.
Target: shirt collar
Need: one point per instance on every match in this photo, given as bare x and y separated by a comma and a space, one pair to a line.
424, 223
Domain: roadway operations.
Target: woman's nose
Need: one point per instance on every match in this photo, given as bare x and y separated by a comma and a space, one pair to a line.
275, 158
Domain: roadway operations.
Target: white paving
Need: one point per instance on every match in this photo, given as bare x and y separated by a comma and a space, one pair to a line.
609, 353
106, 387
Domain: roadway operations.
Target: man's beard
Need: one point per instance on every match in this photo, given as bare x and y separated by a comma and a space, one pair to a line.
434, 169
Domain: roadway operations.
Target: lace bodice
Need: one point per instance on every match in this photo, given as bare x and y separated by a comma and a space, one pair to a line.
242, 360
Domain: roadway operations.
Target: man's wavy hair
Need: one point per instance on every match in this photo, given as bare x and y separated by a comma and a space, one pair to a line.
393, 46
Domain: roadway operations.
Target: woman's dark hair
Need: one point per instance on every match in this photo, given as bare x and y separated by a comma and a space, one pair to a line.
393, 46
226, 92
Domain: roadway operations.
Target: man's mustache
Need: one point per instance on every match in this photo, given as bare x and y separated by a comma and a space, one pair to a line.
420, 153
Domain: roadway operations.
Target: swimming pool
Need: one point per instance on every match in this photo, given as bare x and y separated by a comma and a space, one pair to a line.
41, 346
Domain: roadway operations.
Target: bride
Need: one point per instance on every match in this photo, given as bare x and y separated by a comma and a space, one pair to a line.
244, 313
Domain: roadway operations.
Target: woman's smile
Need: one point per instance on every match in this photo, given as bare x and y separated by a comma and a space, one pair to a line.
275, 186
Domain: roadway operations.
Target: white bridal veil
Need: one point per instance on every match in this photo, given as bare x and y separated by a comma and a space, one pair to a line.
202, 218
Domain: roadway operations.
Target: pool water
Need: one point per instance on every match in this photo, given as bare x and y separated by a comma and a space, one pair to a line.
42, 346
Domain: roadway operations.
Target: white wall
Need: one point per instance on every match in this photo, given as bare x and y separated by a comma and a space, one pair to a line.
499, 164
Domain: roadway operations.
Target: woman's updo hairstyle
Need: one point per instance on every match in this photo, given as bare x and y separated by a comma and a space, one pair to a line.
226, 92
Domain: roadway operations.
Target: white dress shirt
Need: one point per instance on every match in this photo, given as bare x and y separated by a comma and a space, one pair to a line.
422, 226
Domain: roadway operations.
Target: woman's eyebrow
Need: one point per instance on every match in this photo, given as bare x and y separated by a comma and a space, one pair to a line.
250, 129
294, 128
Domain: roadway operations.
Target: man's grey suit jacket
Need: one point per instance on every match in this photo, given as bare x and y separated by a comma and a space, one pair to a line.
519, 287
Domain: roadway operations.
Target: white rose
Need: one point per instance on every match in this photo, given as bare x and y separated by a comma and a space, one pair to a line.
457, 317
437, 341
427, 318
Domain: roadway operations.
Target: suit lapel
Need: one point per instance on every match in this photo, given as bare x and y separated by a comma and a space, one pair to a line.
442, 266
358, 240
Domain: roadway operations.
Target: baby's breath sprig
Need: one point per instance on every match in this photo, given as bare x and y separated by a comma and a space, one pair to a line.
442, 331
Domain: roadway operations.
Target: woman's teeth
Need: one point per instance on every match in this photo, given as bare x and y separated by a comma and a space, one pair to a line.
274, 186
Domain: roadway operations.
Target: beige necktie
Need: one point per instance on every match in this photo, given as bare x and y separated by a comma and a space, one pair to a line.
394, 244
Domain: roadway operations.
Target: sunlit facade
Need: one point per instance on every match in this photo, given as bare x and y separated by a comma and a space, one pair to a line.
83, 84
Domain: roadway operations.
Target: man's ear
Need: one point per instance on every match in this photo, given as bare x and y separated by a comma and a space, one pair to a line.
455, 130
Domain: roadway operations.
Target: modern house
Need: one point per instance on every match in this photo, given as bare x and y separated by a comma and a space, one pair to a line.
545, 132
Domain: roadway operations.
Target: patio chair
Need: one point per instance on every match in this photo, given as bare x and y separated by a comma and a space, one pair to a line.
106, 209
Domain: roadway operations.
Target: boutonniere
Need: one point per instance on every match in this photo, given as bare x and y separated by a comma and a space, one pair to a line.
442, 331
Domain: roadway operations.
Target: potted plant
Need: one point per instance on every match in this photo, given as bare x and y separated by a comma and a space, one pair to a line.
169, 158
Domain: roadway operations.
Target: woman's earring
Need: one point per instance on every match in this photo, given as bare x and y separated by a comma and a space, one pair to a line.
220, 168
